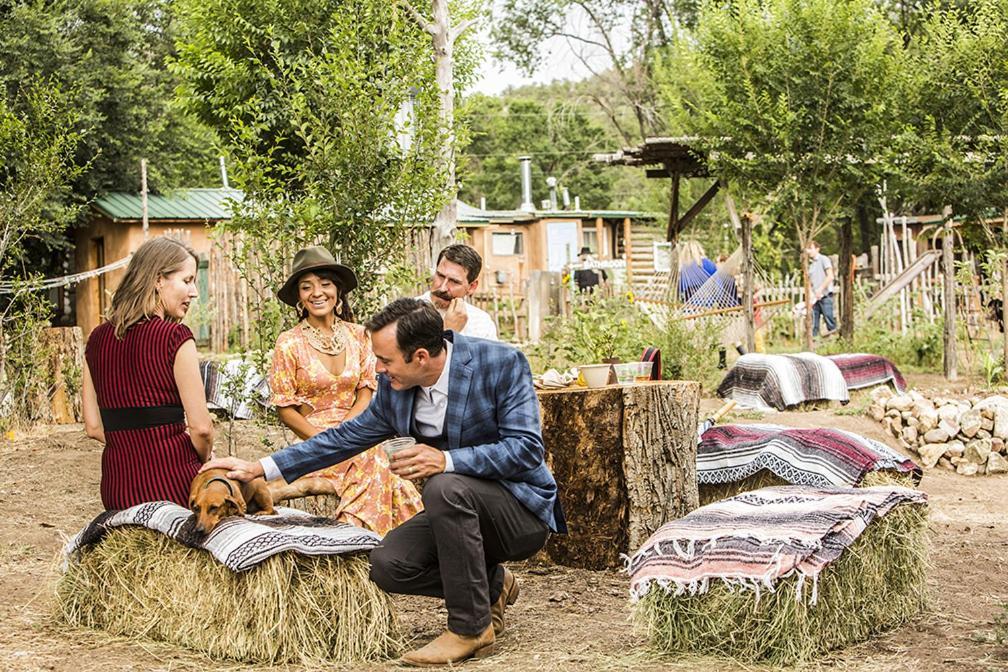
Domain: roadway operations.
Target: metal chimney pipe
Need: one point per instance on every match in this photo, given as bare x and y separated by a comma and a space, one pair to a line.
565, 193
577, 203
482, 202
551, 182
526, 184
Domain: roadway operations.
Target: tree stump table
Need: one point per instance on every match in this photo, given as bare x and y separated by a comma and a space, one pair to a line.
624, 458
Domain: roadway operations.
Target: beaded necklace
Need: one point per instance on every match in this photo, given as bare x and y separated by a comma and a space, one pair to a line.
328, 344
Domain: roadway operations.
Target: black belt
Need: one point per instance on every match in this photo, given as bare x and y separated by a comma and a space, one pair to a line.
141, 417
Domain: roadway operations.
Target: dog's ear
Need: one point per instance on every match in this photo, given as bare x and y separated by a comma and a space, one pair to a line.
238, 503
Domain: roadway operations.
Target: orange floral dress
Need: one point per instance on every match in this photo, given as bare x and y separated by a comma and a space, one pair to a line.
371, 496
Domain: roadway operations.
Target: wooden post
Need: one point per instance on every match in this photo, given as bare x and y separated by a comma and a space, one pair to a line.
948, 269
747, 283
628, 251
532, 303
847, 279
143, 194
673, 220
603, 251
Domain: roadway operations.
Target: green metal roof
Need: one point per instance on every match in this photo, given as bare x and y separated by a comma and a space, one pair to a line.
194, 204
473, 216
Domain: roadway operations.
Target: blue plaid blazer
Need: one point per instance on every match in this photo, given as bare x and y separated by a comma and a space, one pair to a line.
492, 425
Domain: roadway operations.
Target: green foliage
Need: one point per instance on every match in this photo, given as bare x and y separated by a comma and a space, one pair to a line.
956, 149
37, 148
305, 95
992, 369
921, 349
616, 328
600, 329
797, 101
559, 136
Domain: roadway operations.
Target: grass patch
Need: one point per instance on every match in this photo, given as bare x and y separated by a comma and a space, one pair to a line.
291, 608
877, 584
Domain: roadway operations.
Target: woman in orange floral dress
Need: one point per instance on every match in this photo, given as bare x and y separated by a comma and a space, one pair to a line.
324, 373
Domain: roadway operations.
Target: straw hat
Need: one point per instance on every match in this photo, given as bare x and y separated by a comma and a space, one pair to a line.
311, 259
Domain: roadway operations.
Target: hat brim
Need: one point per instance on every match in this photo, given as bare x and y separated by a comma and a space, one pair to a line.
347, 279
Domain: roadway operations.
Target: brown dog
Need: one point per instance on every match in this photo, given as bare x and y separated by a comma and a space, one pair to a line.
213, 496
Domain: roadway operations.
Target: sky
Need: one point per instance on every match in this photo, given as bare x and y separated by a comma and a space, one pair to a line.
560, 62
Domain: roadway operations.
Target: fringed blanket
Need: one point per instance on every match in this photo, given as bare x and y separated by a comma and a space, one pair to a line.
757, 538
237, 543
864, 370
766, 382
816, 457
234, 386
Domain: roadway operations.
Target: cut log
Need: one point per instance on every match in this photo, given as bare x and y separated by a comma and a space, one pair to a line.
624, 458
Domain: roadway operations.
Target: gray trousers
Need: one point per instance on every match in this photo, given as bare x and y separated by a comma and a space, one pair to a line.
453, 549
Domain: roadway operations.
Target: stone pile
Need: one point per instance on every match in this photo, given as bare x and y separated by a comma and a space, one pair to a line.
965, 435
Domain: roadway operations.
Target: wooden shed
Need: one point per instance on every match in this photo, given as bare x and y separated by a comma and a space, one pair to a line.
116, 229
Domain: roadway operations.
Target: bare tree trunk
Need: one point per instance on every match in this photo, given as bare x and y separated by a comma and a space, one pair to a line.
444, 64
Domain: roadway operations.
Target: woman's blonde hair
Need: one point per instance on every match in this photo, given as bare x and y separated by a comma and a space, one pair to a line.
136, 297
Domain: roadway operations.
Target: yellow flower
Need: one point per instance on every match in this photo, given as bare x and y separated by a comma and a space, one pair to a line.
630, 296
9, 435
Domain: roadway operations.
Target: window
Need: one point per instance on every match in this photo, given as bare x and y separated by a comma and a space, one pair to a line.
662, 254
589, 239
506, 244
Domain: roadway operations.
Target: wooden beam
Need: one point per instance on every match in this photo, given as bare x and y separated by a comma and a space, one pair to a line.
948, 269
628, 251
922, 263
699, 205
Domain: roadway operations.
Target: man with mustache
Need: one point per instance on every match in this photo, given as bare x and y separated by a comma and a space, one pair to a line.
455, 278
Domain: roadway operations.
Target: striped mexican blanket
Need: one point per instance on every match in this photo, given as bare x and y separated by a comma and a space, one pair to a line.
766, 382
237, 543
234, 386
816, 457
757, 538
864, 370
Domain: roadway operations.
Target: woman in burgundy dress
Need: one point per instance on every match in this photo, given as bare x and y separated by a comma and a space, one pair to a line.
143, 396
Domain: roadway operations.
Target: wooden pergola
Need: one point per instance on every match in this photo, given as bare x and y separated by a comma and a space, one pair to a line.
673, 158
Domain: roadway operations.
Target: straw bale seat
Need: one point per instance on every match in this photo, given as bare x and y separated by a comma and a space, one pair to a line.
783, 575
282, 607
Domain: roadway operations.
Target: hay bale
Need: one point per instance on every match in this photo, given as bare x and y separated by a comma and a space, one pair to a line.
878, 583
326, 506
715, 492
290, 608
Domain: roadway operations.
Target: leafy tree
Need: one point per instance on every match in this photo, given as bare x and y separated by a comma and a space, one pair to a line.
37, 147
614, 40
796, 103
305, 95
956, 151
110, 58
560, 137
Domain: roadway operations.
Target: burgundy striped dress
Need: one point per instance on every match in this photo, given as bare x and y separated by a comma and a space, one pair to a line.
152, 463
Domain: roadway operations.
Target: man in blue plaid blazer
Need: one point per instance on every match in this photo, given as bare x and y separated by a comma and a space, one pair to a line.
489, 496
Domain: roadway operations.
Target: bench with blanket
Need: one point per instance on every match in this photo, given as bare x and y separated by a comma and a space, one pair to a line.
862, 370
783, 574
290, 588
767, 382
738, 455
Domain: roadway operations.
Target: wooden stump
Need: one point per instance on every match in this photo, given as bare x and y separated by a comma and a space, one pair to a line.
64, 348
624, 458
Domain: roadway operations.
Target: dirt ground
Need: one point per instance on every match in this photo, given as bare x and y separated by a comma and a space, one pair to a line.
566, 619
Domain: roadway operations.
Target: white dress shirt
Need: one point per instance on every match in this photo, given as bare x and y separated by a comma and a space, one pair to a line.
479, 324
428, 413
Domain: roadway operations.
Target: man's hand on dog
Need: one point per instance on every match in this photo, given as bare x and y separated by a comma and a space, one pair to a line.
240, 470
420, 461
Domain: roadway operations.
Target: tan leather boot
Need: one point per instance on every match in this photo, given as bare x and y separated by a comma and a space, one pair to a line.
508, 596
451, 648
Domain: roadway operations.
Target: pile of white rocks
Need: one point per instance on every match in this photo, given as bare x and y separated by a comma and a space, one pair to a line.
965, 435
